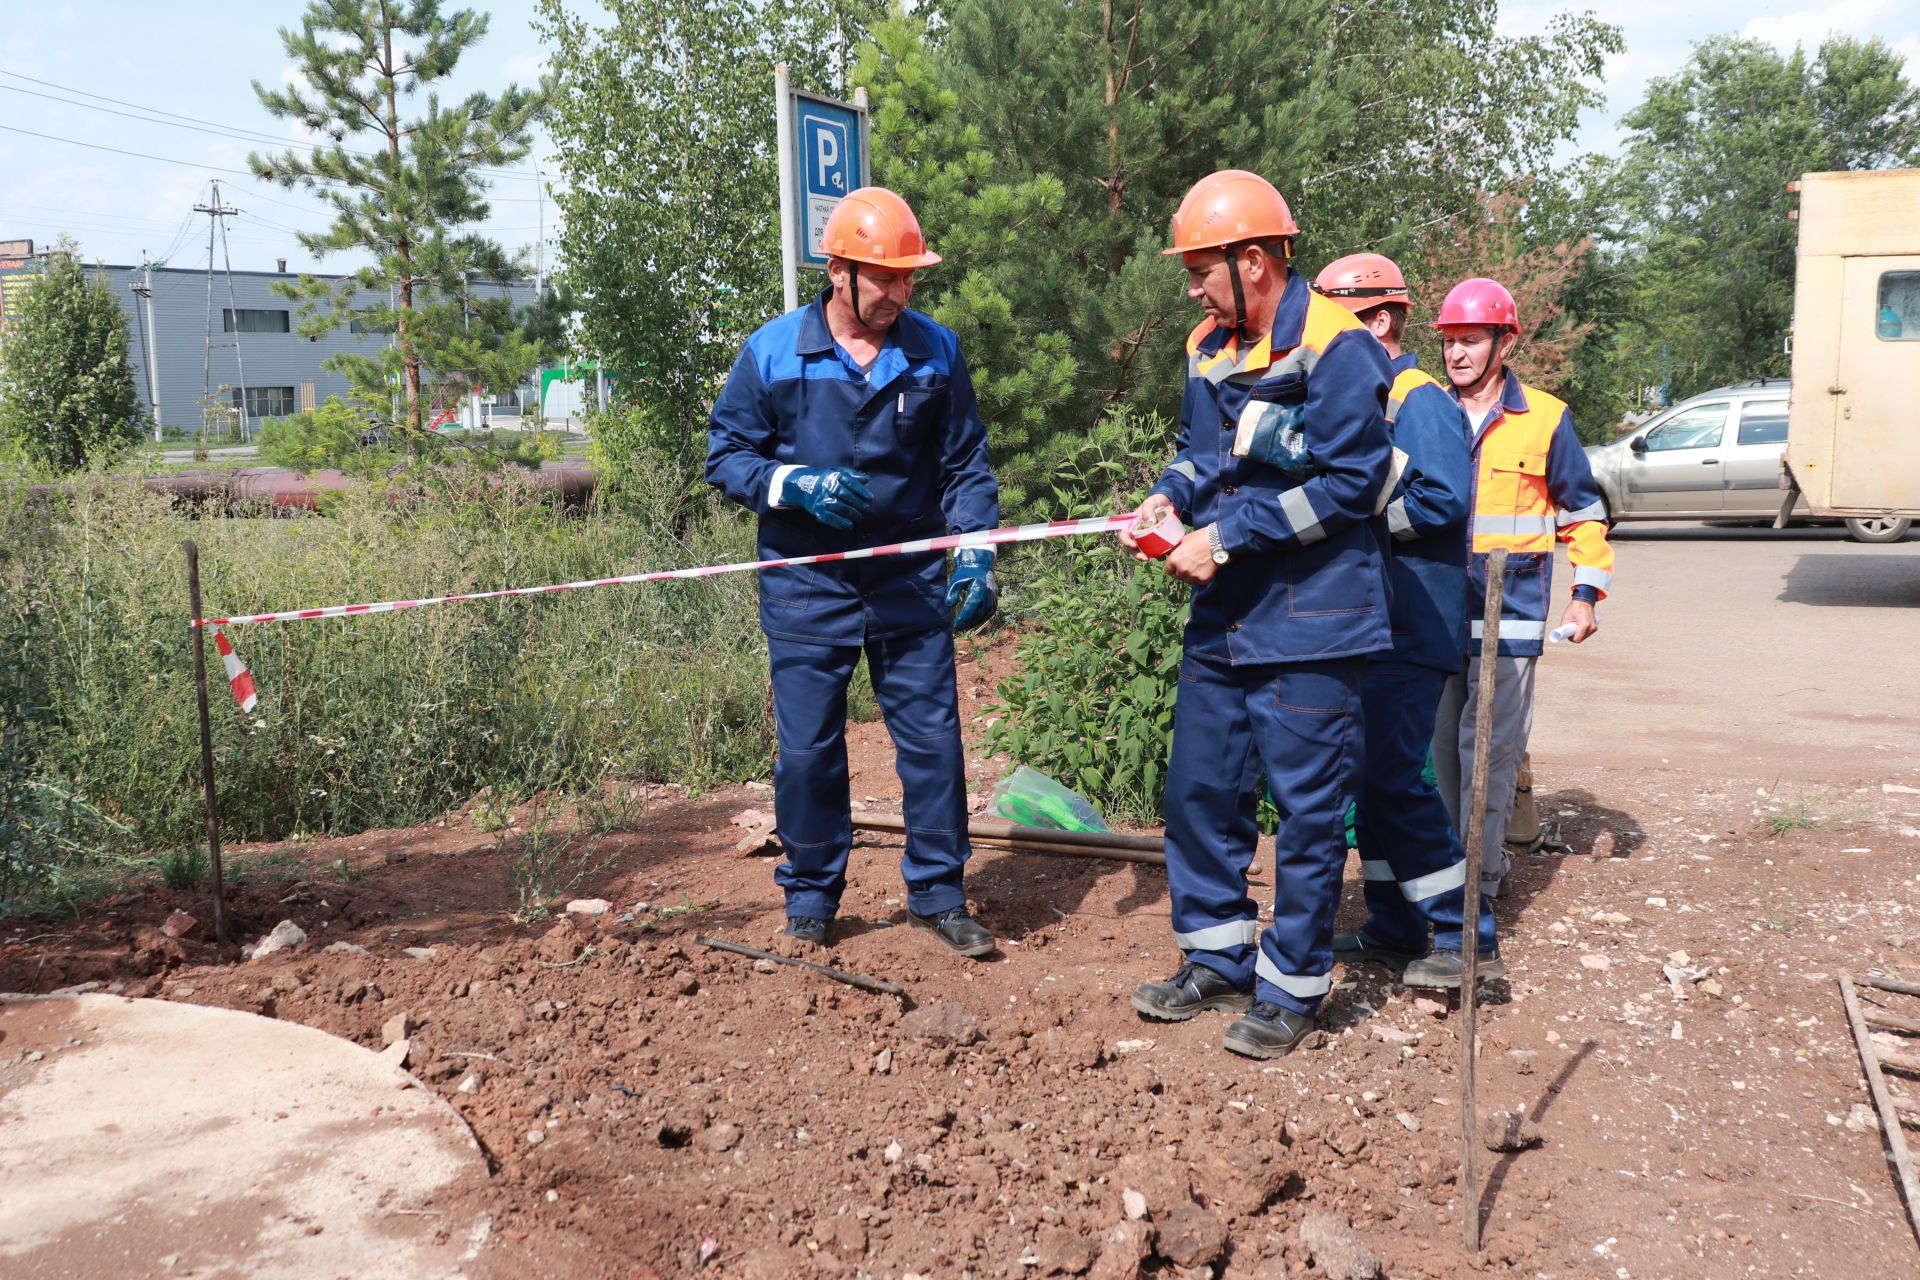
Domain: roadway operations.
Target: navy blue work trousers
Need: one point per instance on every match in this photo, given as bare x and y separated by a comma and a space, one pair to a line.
913, 679
1301, 723
1414, 866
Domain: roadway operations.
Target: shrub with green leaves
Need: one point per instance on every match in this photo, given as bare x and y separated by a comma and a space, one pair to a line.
322, 438
1092, 705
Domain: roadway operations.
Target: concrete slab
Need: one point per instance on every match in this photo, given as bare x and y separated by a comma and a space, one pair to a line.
147, 1138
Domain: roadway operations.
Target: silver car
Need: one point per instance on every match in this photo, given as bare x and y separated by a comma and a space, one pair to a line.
1714, 456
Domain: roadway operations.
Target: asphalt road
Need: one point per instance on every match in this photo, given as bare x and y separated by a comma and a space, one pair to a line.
1743, 651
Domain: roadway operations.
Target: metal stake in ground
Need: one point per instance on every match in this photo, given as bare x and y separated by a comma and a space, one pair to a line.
1470, 895
220, 930
860, 980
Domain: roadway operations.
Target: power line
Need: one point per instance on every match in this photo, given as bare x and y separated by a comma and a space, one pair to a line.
195, 164
236, 132
120, 151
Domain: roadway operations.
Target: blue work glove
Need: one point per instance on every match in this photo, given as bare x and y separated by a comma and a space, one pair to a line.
1271, 434
835, 496
971, 586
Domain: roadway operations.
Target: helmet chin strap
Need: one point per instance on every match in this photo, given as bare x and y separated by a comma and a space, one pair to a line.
1239, 298
853, 288
1481, 379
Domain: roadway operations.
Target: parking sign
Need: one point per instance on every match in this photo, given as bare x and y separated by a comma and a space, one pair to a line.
823, 156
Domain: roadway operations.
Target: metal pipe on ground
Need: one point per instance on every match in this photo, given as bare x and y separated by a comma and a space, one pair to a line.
1073, 844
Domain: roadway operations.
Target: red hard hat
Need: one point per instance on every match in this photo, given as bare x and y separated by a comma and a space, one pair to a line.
873, 225
1479, 301
1228, 207
1362, 281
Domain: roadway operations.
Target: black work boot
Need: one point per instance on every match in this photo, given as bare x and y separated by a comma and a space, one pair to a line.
1191, 990
1268, 1030
960, 931
1442, 970
1357, 948
808, 929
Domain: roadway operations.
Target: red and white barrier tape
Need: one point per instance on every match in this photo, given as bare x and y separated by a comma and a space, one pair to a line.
986, 538
237, 674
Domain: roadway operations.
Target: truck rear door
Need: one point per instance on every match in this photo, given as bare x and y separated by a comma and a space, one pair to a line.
1876, 463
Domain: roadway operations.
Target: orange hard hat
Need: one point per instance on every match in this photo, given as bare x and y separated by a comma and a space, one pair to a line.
875, 226
1228, 207
1362, 281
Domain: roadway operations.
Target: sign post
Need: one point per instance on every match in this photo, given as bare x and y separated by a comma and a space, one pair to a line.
823, 154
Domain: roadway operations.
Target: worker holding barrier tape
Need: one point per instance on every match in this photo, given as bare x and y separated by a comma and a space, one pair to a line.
1282, 466
849, 421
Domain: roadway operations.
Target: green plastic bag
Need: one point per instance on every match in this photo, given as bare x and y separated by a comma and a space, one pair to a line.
1032, 799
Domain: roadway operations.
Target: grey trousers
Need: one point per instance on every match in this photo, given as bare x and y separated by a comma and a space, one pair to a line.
1453, 752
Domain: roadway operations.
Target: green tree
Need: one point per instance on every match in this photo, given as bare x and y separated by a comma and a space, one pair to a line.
67, 394
1704, 212
405, 203
1045, 146
663, 124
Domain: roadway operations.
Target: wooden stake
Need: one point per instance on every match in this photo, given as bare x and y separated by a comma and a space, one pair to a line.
1470, 896
220, 929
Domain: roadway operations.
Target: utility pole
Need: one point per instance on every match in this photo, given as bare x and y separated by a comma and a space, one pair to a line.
145, 292
217, 214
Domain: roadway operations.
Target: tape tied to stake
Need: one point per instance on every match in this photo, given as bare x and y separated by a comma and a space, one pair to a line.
237, 674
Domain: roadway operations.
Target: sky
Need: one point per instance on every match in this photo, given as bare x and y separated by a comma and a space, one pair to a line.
199, 59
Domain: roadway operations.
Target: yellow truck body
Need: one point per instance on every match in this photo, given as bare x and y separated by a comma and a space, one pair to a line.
1853, 433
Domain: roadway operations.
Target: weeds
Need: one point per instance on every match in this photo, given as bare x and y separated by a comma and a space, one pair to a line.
1797, 818
544, 864
363, 722
184, 868
493, 810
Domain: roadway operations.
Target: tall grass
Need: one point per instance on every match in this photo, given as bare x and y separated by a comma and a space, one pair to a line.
382, 720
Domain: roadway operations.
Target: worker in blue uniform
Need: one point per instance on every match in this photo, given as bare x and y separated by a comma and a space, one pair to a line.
1412, 862
1281, 467
848, 423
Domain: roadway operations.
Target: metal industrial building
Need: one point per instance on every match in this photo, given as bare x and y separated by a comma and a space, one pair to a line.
282, 366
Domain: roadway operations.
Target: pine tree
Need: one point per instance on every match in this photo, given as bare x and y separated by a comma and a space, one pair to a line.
407, 202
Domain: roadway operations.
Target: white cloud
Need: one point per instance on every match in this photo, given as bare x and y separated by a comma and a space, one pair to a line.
1808, 27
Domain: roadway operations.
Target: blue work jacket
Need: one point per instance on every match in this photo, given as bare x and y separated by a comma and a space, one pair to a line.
1306, 578
910, 423
1428, 519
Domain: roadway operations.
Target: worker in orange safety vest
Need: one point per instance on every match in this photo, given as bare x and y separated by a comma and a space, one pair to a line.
1532, 486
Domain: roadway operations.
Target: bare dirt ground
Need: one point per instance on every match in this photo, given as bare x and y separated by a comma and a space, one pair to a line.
639, 1095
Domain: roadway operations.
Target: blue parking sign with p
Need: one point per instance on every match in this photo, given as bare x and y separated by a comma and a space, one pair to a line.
831, 165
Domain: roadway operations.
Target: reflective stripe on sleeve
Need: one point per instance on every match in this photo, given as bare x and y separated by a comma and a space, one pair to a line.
1434, 883
1301, 515
1592, 511
1299, 986
1184, 467
1218, 937
1513, 629
1397, 522
1376, 869
1585, 575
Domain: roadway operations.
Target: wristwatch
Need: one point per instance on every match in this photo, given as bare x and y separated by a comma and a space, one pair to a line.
1213, 544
